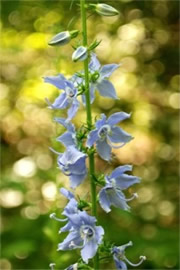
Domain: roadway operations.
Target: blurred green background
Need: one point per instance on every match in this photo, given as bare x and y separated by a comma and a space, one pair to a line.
144, 37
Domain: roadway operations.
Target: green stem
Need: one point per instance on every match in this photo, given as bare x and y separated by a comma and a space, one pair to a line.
89, 119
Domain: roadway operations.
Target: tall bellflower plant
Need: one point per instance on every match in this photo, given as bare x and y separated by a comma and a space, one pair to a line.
81, 145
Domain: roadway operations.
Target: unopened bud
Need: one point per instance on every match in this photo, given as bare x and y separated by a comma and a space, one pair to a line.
105, 10
63, 38
80, 54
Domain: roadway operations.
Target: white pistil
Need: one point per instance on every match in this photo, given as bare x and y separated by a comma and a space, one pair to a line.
135, 195
142, 258
73, 245
53, 216
52, 266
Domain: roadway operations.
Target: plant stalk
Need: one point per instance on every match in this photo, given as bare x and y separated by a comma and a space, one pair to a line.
89, 118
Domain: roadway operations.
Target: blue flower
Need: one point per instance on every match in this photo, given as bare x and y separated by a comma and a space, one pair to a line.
70, 209
72, 163
67, 99
119, 257
112, 193
69, 137
98, 79
84, 235
107, 136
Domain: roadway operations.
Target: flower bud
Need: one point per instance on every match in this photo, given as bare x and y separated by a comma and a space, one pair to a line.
105, 10
80, 54
63, 38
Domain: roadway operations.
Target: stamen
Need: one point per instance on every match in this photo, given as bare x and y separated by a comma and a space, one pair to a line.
52, 266
116, 146
142, 258
53, 216
135, 195
73, 245
49, 103
54, 151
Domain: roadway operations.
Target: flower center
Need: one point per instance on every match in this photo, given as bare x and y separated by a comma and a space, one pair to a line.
95, 76
104, 131
87, 232
70, 92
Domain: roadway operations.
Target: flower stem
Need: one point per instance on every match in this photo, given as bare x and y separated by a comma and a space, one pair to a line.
89, 119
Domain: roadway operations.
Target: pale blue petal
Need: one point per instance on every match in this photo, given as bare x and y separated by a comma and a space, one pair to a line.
72, 236
117, 199
117, 117
103, 149
79, 167
106, 89
101, 122
87, 219
61, 102
70, 127
76, 179
66, 193
119, 135
107, 70
92, 138
73, 110
89, 250
124, 181
104, 200
66, 139
94, 63
120, 170
120, 265
99, 234
59, 81
71, 155
66, 227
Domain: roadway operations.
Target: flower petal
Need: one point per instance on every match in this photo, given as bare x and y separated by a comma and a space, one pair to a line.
61, 102
71, 155
117, 117
94, 64
120, 265
76, 179
73, 109
66, 193
66, 139
101, 122
119, 135
124, 181
104, 200
103, 149
106, 89
72, 236
117, 199
107, 70
89, 250
120, 170
92, 138
59, 81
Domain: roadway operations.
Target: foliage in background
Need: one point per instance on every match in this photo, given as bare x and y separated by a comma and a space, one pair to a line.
147, 84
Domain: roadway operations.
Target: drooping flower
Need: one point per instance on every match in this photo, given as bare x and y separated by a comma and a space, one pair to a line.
107, 136
72, 163
105, 10
67, 99
120, 257
111, 193
69, 137
98, 78
84, 235
63, 38
70, 209
80, 54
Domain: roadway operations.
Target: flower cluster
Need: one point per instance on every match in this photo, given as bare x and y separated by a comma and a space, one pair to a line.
100, 137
